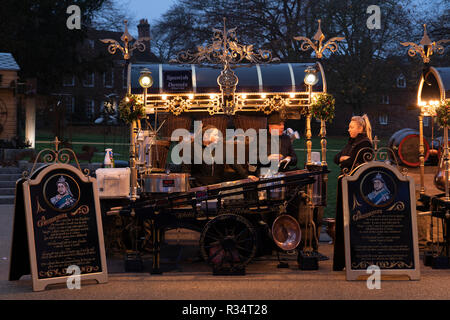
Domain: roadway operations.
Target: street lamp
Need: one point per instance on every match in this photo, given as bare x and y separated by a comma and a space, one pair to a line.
127, 50
146, 81
425, 49
310, 80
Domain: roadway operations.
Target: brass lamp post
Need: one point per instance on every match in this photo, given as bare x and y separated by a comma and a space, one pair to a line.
146, 81
426, 110
310, 80
127, 50
317, 45
425, 49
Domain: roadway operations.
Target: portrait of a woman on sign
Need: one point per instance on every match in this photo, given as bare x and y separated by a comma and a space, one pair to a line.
61, 192
378, 189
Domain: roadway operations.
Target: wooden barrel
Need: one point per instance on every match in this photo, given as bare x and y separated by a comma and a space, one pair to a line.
405, 144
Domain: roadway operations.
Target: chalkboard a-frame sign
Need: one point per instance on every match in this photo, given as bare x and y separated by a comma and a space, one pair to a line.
380, 225
63, 226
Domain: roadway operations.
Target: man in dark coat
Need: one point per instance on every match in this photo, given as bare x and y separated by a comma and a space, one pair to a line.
285, 155
205, 173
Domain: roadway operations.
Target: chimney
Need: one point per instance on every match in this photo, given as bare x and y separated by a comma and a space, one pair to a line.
144, 33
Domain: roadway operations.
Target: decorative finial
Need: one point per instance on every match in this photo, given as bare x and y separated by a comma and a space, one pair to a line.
318, 47
319, 34
56, 142
425, 39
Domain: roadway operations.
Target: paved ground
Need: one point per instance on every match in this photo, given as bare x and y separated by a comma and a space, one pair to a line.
193, 280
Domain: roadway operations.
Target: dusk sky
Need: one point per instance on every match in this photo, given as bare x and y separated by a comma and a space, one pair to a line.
149, 9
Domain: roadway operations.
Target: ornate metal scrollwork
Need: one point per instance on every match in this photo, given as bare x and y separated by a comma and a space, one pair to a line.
214, 106
273, 104
177, 105
224, 49
127, 48
50, 156
425, 48
383, 154
331, 44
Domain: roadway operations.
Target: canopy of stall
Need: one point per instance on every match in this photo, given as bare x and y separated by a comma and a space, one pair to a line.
168, 78
444, 73
435, 85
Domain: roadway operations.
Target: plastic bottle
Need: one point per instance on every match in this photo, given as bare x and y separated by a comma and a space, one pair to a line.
109, 160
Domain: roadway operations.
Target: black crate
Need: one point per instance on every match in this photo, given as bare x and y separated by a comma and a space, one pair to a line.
307, 261
133, 262
440, 262
428, 258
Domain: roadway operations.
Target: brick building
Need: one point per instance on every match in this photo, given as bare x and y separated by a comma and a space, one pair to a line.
396, 109
82, 98
8, 102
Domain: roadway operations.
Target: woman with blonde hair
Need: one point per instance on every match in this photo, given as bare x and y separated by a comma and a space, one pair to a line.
352, 155
360, 132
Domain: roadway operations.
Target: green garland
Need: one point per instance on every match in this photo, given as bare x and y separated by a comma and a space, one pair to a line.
322, 107
131, 109
443, 113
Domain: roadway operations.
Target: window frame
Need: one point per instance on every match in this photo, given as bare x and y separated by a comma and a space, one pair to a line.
92, 76
385, 120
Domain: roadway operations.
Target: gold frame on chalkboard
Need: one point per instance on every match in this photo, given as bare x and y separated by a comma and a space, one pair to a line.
41, 284
352, 274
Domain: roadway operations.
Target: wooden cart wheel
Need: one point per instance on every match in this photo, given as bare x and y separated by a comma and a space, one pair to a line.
228, 241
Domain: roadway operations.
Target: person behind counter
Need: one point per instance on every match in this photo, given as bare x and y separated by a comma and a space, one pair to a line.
351, 156
285, 155
207, 174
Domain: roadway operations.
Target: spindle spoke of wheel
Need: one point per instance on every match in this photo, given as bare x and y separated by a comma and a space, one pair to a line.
212, 237
240, 234
245, 240
214, 255
212, 244
213, 228
242, 248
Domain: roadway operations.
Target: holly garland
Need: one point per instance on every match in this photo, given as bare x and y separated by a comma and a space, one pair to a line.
322, 107
443, 113
131, 109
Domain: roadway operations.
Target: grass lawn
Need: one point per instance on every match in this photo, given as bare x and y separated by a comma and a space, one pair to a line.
334, 145
117, 138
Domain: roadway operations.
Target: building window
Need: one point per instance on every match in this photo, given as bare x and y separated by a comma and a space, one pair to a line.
69, 102
401, 81
88, 80
384, 99
69, 81
90, 108
426, 121
90, 43
383, 119
108, 79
